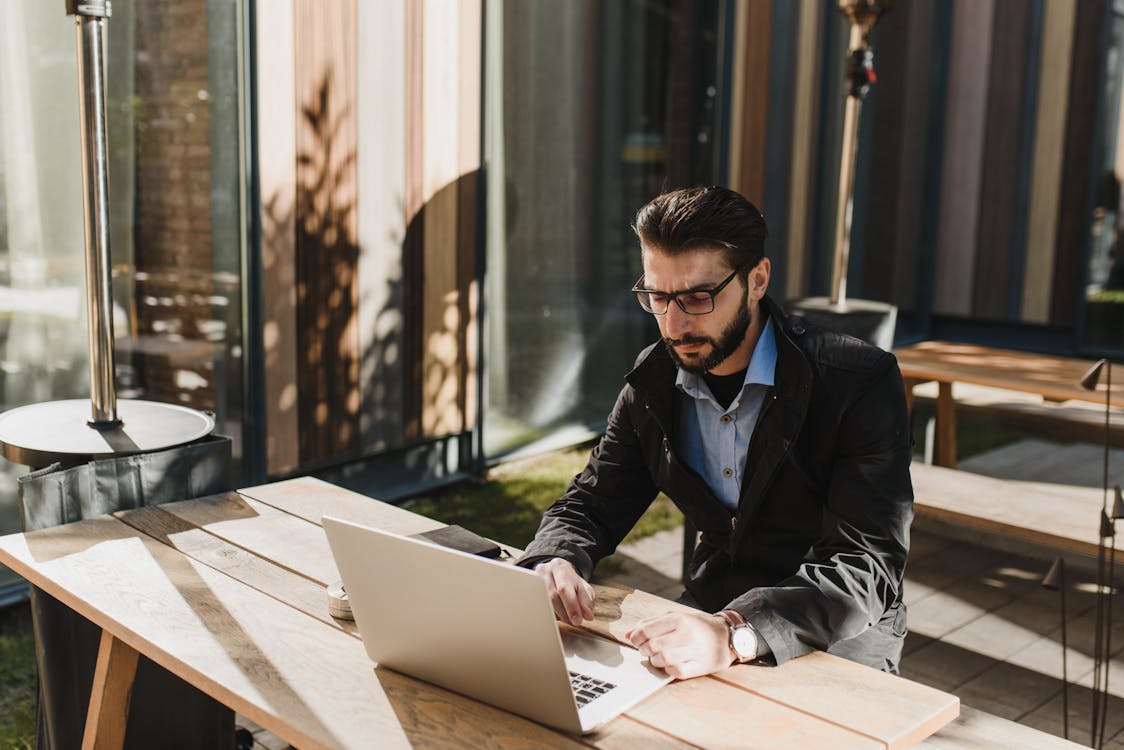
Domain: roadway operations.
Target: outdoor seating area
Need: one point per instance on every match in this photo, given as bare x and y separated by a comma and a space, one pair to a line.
535, 374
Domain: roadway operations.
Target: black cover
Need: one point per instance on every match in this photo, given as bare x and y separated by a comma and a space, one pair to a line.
165, 711
460, 538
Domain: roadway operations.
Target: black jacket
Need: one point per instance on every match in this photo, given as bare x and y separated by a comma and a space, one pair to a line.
814, 556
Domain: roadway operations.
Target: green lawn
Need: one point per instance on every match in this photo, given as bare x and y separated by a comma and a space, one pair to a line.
507, 505
17, 679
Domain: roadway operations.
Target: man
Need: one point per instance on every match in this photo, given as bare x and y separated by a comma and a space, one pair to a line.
786, 445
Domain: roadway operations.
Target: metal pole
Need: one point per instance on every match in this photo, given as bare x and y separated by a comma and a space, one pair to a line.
90, 18
862, 14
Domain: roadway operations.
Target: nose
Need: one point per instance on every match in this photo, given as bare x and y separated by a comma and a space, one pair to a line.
676, 322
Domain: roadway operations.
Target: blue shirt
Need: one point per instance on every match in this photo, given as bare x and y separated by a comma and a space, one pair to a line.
713, 440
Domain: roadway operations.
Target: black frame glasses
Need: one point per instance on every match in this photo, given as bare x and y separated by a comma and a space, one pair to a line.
690, 301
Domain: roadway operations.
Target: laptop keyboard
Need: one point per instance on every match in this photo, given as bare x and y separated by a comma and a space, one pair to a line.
588, 688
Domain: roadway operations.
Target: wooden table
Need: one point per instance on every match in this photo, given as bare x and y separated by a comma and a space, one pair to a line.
1053, 378
228, 593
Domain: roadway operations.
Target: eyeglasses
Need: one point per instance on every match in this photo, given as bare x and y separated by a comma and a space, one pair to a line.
692, 301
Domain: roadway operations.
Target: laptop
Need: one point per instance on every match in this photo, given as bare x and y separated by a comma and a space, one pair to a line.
482, 628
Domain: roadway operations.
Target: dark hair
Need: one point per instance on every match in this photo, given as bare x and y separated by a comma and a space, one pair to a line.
704, 218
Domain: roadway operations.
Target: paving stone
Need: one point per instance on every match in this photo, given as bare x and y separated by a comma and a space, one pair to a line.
1009, 690
1045, 656
1048, 717
944, 666
994, 635
939, 614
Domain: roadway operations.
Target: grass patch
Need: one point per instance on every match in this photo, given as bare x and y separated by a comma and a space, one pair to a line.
508, 504
17, 679
973, 436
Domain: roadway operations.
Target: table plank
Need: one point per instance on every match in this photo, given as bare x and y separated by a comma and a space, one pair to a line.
1054, 378
282, 584
275, 535
306, 681
712, 718
310, 498
895, 711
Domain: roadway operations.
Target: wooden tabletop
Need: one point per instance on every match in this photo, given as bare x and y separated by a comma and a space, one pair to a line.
1054, 378
228, 593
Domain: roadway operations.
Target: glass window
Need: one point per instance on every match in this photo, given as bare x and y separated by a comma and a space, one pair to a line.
591, 110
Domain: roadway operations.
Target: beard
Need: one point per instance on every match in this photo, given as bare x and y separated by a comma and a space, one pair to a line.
722, 347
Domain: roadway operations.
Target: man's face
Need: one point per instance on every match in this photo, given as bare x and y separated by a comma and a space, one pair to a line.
720, 341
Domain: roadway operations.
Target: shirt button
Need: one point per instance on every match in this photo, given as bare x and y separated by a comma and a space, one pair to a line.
726, 418
727, 472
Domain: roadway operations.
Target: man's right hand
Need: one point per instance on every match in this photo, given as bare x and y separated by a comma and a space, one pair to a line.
570, 595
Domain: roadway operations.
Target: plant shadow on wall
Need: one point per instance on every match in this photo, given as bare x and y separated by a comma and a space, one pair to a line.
381, 362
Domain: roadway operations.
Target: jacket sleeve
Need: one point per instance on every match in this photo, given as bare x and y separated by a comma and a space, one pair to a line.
602, 503
854, 571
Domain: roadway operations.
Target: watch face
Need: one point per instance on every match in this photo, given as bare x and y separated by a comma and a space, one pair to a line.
744, 642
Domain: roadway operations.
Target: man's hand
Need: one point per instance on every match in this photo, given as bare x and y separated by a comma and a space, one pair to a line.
570, 595
684, 645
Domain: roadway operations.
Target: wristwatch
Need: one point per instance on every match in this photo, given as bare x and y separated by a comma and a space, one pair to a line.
743, 638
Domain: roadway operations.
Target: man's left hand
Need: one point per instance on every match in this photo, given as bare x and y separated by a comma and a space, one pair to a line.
684, 644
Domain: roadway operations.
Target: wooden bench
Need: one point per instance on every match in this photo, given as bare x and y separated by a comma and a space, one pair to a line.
1070, 421
1061, 517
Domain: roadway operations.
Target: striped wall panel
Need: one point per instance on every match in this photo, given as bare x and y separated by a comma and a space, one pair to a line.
1073, 224
1049, 140
999, 183
965, 121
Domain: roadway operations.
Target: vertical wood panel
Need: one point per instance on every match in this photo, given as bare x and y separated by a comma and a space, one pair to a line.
276, 144
381, 87
1049, 140
752, 78
413, 246
1073, 225
469, 160
442, 318
326, 242
1000, 179
916, 109
887, 147
966, 107
804, 116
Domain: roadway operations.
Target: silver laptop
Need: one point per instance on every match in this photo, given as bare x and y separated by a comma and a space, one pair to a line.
482, 628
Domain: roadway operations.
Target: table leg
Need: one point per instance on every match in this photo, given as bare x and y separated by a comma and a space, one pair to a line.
946, 426
909, 383
109, 699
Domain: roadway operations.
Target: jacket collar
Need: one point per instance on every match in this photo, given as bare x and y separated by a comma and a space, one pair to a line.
782, 416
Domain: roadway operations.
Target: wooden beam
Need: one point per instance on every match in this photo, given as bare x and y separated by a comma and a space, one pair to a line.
108, 714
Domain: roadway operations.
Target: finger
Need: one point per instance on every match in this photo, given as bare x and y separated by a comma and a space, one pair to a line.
585, 598
685, 670
653, 627
569, 592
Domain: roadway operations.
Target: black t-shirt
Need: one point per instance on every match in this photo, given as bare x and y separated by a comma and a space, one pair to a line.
725, 387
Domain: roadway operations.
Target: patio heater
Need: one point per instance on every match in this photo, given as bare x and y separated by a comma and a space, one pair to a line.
75, 430
104, 455
865, 319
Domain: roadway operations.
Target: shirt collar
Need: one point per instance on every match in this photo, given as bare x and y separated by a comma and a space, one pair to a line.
761, 371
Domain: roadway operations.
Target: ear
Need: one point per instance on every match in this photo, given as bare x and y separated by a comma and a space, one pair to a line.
758, 281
